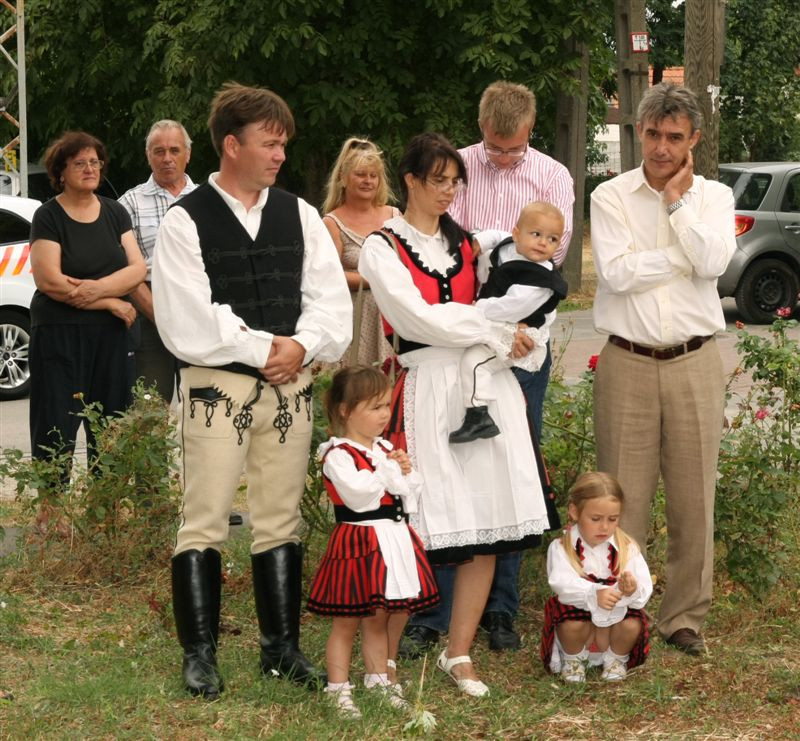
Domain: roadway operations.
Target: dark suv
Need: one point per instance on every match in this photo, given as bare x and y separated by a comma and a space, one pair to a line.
764, 273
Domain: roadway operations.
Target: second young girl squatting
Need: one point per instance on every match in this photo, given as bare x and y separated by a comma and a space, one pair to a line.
601, 584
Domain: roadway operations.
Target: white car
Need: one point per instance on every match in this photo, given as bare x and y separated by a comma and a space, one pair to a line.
16, 291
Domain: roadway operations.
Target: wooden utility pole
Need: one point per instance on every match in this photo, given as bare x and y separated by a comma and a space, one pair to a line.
703, 49
570, 151
632, 78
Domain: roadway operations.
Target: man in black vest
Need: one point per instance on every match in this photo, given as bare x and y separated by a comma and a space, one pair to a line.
248, 290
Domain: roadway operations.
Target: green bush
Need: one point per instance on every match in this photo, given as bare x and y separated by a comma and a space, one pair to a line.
315, 507
568, 429
759, 466
110, 519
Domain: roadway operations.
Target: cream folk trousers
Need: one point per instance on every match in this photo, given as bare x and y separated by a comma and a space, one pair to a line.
231, 423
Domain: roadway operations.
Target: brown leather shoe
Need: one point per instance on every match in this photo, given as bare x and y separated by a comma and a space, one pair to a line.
686, 640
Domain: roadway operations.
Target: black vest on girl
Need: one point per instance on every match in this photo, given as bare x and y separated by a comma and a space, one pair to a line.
259, 279
526, 273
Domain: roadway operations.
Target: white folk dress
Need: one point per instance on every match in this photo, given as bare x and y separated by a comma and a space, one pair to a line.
480, 497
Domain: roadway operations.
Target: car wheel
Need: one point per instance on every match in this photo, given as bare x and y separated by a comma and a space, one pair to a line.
15, 338
766, 286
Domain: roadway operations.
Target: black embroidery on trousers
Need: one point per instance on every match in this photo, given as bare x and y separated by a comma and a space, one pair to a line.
209, 397
283, 419
244, 419
306, 395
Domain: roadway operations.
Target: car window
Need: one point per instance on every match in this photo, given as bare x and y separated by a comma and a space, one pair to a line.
13, 228
750, 190
791, 196
729, 177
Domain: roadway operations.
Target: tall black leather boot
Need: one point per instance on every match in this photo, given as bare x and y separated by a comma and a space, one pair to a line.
196, 590
277, 584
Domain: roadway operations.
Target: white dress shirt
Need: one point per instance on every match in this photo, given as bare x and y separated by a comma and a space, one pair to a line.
204, 333
495, 195
573, 589
657, 274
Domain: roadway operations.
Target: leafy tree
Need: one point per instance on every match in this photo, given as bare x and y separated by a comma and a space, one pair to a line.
665, 22
760, 84
383, 69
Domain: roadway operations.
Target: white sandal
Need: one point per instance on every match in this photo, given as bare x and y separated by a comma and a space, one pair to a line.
393, 694
343, 698
472, 687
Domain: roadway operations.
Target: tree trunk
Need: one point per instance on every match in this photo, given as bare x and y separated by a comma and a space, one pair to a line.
704, 45
570, 150
632, 74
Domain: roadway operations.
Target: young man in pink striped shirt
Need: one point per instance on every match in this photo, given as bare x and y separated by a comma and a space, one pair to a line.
504, 174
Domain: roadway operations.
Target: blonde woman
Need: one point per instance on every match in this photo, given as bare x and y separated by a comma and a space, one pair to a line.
355, 206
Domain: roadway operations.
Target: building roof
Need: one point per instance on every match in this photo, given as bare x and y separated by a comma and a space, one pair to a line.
668, 74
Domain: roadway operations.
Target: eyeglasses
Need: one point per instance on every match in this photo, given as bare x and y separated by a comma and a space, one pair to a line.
515, 153
79, 165
443, 184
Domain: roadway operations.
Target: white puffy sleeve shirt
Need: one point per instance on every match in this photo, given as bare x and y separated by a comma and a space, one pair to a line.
362, 490
400, 301
201, 332
573, 589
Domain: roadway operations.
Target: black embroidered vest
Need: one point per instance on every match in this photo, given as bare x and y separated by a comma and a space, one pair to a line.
259, 279
523, 272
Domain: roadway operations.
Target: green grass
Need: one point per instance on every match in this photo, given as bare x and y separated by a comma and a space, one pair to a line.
91, 661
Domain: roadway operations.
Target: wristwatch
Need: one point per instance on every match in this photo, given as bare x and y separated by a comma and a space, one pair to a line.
673, 207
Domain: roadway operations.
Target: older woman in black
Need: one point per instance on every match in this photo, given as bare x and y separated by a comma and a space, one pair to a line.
85, 260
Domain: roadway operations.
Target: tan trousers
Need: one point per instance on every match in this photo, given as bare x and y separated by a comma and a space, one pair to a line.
229, 422
666, 416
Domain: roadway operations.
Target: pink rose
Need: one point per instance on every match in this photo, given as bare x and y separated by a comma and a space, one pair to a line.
762, 413
784, 312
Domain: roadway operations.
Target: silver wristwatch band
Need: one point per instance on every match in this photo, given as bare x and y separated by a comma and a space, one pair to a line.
673, 207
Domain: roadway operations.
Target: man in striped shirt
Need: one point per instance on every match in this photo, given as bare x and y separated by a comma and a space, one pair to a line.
504, 173
168, 149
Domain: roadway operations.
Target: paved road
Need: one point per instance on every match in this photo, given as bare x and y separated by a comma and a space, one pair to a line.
577, 330
573, 335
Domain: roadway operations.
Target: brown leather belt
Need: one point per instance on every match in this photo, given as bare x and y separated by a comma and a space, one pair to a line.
660, 353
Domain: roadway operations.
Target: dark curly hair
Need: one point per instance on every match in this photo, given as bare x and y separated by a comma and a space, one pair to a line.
66, 147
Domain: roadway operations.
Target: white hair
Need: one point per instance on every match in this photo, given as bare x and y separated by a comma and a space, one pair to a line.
162, 125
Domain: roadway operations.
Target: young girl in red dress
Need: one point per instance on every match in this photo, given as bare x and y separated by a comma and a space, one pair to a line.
601, 584
374, 571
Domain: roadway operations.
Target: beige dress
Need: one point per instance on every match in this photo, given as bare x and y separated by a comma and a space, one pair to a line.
371, 347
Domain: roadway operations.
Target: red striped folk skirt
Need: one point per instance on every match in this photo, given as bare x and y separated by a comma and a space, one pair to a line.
351, 579
555, 613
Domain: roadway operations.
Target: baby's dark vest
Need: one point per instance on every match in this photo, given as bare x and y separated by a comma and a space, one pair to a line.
526, 273
259, 279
